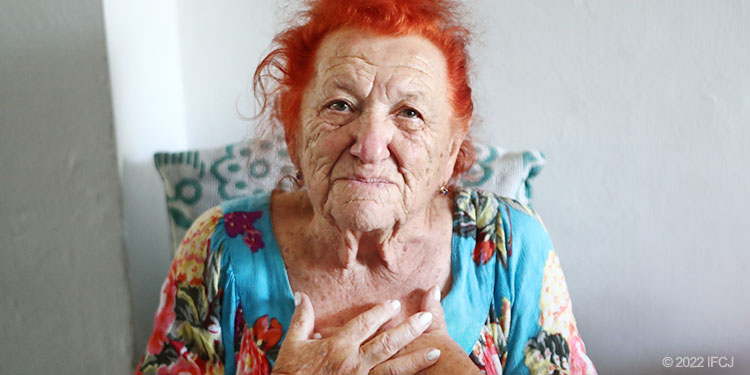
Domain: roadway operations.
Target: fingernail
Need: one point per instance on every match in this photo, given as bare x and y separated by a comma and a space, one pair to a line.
395, 304
433, 354
437, 293
425, 318
297, 298
317, 336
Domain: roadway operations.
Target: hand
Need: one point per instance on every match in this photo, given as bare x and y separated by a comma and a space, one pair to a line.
453, 359
348, 351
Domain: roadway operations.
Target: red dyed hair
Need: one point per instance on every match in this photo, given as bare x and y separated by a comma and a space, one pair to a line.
281, 78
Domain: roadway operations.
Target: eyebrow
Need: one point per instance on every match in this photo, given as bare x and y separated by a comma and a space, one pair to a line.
413, 97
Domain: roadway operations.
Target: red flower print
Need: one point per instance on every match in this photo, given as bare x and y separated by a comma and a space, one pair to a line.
267, 335
165, 316
241, 223
483, 251
252, 358
181, 366
490, 356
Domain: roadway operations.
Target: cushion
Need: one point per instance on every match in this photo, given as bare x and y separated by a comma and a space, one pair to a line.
197, 180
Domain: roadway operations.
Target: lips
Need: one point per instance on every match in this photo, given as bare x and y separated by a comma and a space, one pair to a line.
367, 179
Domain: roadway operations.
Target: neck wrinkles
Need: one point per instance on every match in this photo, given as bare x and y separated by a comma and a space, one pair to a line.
392, 252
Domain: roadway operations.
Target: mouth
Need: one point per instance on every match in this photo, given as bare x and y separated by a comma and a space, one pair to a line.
370, 180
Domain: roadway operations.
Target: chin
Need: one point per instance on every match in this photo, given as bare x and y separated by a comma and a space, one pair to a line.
364, 207
363, 216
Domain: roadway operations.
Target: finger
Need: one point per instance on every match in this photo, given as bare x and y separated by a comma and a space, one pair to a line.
408, 364
431, 303
386, 344
366, 324
303, 319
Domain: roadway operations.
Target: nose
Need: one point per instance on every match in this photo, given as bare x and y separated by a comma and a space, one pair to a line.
372, 135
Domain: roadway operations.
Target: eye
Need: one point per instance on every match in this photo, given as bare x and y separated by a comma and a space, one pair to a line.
409, 113
339, 106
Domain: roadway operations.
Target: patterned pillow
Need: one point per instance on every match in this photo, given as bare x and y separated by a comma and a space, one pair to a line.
197, 180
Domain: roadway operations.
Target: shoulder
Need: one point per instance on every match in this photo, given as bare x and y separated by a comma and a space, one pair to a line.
188, 292
193, 253
198, 235
243, 221
250, 203
230, 219
501, 226
207, 220
480, 205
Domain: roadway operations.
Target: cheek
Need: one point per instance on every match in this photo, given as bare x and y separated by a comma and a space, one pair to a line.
442, 148
321, 148
327, 144
422, 157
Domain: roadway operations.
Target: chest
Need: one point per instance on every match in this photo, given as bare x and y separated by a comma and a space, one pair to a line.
338, 301
339, 297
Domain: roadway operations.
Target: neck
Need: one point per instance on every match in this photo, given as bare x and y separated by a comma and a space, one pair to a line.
390, 251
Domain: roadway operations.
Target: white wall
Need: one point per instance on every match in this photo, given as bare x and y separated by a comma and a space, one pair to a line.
148, 103
220, 45
64, 304
169, 62
642, 106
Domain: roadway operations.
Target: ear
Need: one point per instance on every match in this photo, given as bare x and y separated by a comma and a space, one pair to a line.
455, 147
292, 152
292, 149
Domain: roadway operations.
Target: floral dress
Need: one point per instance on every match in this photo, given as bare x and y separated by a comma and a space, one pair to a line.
226, 303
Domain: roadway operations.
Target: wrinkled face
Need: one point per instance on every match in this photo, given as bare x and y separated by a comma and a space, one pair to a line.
377, 133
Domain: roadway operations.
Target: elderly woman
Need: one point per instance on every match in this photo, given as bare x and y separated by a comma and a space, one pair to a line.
376, 265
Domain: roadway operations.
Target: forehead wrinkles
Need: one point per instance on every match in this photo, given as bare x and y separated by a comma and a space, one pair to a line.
411, 51
354, 73
346, 73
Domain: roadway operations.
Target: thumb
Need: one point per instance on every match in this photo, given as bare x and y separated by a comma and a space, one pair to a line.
303, 319
431, 303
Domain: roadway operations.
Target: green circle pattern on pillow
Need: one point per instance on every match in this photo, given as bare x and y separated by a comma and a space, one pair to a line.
186, 184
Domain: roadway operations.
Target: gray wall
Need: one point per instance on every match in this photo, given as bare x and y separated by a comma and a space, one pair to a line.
65, 307
643, 108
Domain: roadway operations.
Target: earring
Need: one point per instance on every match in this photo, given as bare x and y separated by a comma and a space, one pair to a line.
443, 190
298, 175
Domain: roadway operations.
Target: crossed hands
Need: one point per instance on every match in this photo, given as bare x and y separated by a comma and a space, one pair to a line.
409, 348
